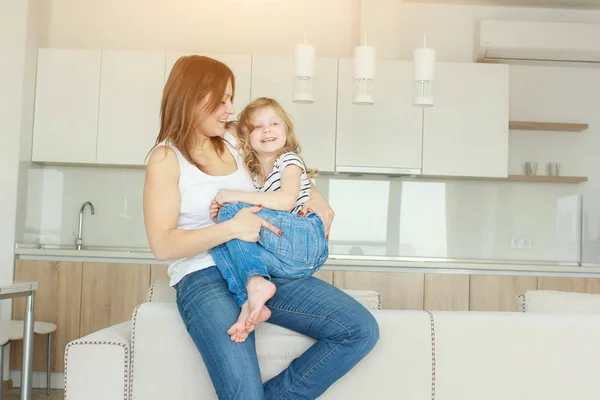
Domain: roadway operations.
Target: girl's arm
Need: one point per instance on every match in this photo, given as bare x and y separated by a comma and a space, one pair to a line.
161, 211
319, 206
283, 199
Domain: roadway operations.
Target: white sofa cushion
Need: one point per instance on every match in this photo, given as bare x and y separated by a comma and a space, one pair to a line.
399, 364
97, 365
557, 302
499, 356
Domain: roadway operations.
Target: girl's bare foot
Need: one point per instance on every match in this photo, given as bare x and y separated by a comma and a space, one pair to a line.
260, 291
264, 315
238, 330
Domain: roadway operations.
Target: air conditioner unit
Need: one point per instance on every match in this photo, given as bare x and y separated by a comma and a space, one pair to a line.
539, 42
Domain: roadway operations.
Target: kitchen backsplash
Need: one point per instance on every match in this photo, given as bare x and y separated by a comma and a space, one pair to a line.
375, 216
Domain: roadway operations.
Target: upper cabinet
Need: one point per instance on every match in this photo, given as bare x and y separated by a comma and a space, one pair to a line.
66, 106
466, 131
314, 123
240, 65
383, 137
129, 114
103, 107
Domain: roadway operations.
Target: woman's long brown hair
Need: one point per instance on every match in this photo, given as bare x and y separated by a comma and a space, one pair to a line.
190, 81
246, 127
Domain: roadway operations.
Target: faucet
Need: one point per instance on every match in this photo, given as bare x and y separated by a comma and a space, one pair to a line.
79, 240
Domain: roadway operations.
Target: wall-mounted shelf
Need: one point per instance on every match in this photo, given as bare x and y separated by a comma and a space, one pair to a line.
547, 178
547, 126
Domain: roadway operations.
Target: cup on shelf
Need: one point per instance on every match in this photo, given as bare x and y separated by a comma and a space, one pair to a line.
531, 168
554, 169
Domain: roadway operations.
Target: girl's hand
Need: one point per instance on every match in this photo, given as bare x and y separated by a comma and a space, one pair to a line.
225, 196
246, 225
319, 206
214, 210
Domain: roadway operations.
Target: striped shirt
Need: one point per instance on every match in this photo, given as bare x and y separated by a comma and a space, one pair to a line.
273, 181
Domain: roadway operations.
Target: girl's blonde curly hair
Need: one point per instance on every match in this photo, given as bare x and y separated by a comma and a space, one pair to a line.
245, 128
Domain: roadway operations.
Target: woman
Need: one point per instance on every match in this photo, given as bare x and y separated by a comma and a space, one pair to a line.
193, 159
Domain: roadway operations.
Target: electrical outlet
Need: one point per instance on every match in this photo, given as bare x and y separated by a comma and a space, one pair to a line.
520, 243
515, 243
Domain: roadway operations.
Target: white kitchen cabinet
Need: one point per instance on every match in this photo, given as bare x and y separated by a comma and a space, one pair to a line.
385, 137
240, 65
314, 123
66, 106
466, 131
129, 115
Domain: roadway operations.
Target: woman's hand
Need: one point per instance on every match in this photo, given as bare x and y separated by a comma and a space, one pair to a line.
319, 206
246, 225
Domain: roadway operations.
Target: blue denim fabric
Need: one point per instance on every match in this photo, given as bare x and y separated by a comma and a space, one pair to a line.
345, 332
298, 253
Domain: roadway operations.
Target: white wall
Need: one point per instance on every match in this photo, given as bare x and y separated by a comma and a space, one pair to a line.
13, 36
275, 26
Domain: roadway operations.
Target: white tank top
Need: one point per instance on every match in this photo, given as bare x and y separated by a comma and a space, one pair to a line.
197, 190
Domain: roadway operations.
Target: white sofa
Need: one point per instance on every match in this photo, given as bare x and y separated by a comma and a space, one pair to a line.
420, 355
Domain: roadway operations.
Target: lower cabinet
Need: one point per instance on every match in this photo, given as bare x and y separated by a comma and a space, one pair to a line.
58, 300
80, 298
83, 297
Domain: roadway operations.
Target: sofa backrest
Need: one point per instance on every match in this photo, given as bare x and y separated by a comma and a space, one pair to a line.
559, 302
161, 292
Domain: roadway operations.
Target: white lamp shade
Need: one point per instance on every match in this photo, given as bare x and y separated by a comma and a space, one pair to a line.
304, 73
364, 74
423, 77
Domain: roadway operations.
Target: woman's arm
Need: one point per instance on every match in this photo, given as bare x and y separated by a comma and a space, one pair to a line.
161, 211
284, 199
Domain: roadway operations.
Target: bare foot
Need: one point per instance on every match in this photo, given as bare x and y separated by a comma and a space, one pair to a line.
238, 330
260, 291
264, 315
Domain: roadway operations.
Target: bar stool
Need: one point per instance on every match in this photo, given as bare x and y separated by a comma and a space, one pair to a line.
15, 332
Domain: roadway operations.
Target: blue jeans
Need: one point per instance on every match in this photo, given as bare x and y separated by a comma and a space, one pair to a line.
298, 253
345, 332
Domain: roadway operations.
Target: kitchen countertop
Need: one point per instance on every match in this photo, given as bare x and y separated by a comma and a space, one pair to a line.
370, 263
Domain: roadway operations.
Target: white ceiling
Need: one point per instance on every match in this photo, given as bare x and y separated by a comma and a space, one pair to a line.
571, 4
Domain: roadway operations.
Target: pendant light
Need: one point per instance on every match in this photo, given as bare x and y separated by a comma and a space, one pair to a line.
423, 75
304, 73
364, 67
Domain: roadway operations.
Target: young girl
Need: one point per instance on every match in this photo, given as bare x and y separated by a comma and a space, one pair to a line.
299, 249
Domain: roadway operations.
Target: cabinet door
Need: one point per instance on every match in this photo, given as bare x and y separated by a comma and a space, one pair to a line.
466, 131
110, 292
240, 64
130, 96
383, 137
314, 123
66, 106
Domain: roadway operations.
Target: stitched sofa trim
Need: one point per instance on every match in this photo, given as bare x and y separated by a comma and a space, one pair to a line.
151, 295
432, 325
100, 343
133, 323
522, 303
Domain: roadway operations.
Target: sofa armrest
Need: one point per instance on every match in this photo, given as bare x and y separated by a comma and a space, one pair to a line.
97, 365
